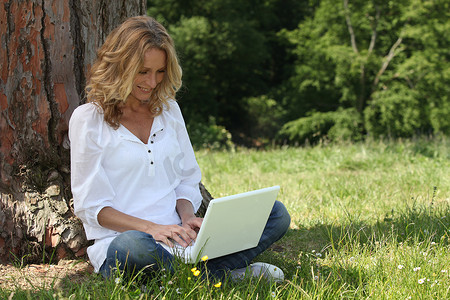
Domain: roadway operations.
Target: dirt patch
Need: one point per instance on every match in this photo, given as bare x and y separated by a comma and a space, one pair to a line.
43, 276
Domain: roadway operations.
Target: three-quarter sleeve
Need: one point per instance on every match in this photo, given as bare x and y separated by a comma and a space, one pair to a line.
91, 188
190, 173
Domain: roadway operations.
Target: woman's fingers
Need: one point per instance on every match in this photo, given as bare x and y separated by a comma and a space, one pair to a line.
174, 233
168, 242
183, 236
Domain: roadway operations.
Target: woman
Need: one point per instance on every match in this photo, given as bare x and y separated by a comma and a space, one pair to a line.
134, 173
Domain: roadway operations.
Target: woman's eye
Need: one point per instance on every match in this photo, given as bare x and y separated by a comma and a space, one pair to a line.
143, 72
161, 71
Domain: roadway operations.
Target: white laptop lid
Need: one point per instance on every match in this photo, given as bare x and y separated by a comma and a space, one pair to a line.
231, 224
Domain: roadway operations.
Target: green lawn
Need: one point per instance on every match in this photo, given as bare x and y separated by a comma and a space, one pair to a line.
369, 220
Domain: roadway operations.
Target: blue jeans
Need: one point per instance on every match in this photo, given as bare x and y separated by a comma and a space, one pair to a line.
135, 250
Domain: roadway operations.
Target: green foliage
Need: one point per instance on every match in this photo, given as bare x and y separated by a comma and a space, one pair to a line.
396, 111
223, 53
209, 135
311, 58
264, 117
427, 67
309, 129
229, 51
388, 60
193, 36
343, 124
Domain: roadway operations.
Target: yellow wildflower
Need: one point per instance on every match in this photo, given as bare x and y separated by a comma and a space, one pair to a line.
217, 285
205, 258
196, 273
193, 270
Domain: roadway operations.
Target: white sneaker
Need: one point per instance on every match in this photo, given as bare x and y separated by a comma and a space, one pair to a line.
268, 271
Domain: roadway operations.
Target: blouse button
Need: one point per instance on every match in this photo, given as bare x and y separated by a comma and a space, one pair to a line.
151, 142
151, 163
149, 151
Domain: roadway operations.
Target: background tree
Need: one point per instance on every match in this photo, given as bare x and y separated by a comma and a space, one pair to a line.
326, 69
371, 67
231, 57
47, 47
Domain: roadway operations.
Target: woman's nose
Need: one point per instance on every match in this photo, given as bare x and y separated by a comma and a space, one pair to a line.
151, 80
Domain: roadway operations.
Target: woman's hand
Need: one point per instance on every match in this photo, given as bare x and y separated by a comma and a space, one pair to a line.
188, 219
193, 223
183, 235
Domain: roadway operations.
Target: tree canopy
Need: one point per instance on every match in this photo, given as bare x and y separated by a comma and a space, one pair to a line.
302, 70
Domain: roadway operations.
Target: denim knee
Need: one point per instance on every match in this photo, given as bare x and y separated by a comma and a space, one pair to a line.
281, 218
135, 250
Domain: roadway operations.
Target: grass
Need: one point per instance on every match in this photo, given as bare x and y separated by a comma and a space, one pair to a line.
369, 221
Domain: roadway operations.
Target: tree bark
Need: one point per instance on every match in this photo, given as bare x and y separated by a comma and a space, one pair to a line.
47, 48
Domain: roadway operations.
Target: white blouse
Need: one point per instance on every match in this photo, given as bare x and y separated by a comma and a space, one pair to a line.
114, 168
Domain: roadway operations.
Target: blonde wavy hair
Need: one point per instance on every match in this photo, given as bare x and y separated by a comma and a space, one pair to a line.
119, 61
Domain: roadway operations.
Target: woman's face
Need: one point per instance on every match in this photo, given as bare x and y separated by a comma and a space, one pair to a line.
149, 76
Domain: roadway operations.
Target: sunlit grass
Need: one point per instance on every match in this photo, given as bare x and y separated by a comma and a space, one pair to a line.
332, 182
369, 221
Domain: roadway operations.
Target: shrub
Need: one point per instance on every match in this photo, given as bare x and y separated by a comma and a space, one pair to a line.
209, 135
395, 112
343, 124
264, 115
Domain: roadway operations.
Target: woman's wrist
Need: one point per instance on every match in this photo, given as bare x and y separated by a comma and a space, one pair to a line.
185, 210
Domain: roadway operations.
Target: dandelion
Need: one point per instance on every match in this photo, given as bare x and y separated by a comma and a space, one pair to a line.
416, 269
117, 280
421, 280
205, 258
217, 285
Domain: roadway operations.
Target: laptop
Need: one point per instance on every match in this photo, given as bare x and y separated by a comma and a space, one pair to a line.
231, 224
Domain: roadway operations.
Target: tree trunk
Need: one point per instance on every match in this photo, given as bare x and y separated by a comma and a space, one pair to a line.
47, 47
